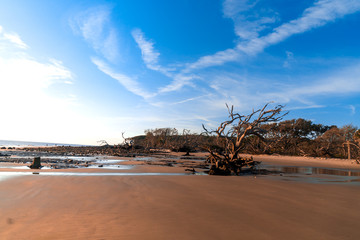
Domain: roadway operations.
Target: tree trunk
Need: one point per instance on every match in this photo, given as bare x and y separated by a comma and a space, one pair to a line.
36, 164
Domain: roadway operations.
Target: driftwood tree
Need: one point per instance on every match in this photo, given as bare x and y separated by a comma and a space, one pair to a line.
103, 143
128, 142
225, 158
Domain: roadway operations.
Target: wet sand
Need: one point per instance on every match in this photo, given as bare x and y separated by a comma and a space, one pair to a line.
174, 207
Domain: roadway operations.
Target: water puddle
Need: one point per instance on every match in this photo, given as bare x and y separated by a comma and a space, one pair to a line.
8, 175
122, 167
311, 170
65, 162
284, 173
144, 159
110, 174
108, 161
313, 174
26, 156
22, 167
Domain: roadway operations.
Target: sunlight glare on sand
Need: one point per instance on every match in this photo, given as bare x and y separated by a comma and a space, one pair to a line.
8, 175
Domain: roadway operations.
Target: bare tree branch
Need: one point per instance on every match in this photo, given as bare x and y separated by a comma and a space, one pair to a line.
232, 133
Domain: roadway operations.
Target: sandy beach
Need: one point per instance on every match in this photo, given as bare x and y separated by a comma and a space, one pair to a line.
40, 206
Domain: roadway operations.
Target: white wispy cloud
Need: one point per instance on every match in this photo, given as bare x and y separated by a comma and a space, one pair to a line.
29, 75
12, 38
289, 59
190, 99
178, 82
232, 8
319, 14
219, 58
15, 38
248, 22
26, 85
149, 54
94, 25
335, 83
353, 109
18, 69
344, 81
305, 107
151, 59
301, 94
129, 83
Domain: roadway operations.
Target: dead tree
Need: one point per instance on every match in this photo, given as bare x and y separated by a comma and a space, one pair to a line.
128, 142
225, 158
103, 143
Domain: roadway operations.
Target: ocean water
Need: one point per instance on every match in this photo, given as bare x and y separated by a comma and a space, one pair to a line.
7, 143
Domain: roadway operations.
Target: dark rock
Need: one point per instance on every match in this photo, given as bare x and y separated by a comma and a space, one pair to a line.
191, 170
36, 164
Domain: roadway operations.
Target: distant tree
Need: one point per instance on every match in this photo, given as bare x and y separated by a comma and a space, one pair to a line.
103, 143
348, 131
159, 137
188, 141
294, 136
330, 143
225, 159
351, 148
128, 142
289, 137
357, 136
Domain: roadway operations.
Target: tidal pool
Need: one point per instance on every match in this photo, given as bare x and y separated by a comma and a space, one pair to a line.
278, 172
8, 175
313, 174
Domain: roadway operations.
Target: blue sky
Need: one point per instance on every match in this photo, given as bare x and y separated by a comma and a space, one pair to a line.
83, 71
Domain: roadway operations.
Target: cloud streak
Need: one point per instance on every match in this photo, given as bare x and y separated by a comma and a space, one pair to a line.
321, 13
151, 59
95, 27
179, 81
22, 70
129, 83
248, 24
245, 93
149, 55
13, 39
337, 83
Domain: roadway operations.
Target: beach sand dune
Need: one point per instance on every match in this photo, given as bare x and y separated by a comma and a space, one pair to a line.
175, 207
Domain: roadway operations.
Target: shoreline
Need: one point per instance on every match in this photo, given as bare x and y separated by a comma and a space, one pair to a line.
197, 160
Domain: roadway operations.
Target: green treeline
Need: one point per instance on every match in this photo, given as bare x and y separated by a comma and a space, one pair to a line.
297, 137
